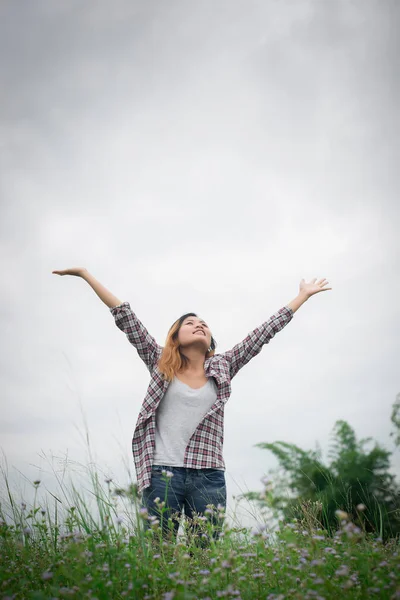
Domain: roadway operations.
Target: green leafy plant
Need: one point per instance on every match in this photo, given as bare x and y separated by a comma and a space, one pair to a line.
356, 480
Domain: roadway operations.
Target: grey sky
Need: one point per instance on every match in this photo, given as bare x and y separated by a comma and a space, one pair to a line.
198, 156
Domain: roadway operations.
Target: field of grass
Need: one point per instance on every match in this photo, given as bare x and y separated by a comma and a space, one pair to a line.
61, 550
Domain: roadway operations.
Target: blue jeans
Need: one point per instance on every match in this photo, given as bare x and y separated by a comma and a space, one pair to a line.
188, 489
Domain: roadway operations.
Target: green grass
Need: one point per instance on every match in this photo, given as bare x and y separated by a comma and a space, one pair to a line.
63, 548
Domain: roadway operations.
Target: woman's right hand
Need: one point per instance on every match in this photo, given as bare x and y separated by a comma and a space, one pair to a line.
77, 271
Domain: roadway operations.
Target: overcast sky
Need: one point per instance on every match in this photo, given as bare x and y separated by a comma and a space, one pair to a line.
197, 156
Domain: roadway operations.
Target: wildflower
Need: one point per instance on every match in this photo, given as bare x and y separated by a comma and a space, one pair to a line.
47, 575
168, 474
343, 570
361, 507
259, 529
341, 514
317, 561
350, 530
267, 483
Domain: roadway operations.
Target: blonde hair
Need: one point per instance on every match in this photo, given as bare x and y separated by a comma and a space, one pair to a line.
172, 360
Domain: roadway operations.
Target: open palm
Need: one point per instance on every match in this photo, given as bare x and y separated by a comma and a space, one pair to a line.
314, 286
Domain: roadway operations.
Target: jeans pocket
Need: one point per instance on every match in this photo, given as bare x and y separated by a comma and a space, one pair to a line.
214, 476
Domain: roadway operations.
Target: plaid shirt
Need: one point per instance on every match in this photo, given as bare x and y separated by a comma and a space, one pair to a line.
204, 449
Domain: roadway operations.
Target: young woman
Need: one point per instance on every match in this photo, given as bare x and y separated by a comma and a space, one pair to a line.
177, 444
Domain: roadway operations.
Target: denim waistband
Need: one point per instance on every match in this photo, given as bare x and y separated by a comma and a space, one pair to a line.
187, 469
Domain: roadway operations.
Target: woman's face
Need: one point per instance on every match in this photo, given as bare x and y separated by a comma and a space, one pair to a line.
194, 332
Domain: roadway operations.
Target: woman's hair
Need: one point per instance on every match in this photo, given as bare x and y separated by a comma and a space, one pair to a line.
172, 360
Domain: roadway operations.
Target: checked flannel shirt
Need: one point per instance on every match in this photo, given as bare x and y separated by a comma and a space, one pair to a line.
204, 449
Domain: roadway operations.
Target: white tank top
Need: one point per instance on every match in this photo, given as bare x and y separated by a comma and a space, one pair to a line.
177, 416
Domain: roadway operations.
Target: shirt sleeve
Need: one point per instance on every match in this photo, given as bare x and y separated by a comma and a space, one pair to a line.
252, 345
137, 334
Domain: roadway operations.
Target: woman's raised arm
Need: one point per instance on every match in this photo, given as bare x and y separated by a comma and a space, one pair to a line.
103, 293
125, 319
252, 345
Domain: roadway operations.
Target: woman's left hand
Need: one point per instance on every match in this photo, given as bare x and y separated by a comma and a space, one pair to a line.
309, 289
